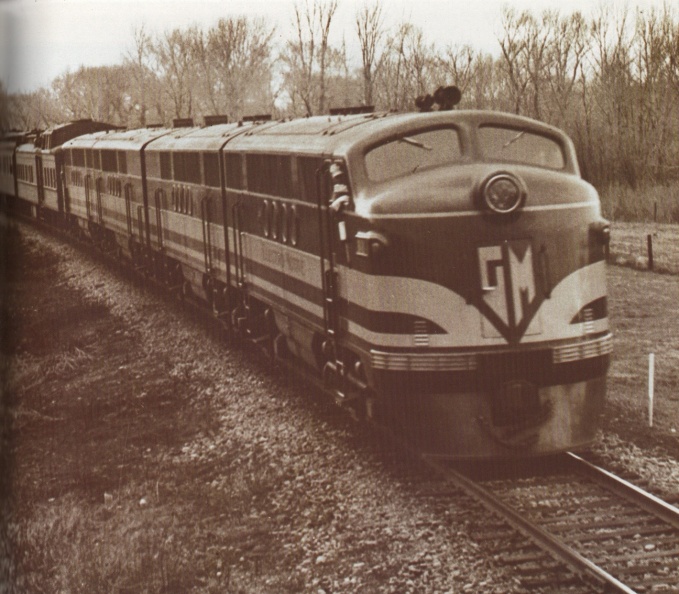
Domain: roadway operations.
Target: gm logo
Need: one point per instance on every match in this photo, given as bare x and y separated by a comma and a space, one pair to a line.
508, 293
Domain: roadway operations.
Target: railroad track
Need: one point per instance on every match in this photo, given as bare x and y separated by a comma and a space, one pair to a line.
612, 535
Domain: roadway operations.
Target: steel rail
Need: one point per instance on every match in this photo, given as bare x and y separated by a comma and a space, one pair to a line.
646, 501
574, 560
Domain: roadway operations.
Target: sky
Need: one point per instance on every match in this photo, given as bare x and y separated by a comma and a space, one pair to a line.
41, 39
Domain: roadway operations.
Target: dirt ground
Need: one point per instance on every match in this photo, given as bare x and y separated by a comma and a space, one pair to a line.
142, 455
131, 463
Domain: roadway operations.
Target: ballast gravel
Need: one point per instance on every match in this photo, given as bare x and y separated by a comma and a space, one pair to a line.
314, 505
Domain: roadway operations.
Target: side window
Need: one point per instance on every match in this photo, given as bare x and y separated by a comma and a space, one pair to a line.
283, 177
108, 161
133, 163
122, 161
192, 168
309, 168
234, 171
165, 166
79, 157
270, 174
178, 165
257, 173
211, 169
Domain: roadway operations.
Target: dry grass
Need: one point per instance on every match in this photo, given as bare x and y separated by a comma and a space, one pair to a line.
99, 487
644, 313
647, 204
629, 246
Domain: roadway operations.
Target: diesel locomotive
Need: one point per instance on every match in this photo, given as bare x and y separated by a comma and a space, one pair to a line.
443, 272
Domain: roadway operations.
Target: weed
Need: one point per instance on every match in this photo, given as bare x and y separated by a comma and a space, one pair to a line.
658, 203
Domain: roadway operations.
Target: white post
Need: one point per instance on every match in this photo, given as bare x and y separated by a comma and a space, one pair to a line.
651, 370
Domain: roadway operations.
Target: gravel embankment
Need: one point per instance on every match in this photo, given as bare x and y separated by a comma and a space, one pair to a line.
282, 492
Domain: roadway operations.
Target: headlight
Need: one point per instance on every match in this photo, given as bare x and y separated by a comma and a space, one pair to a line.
503, 193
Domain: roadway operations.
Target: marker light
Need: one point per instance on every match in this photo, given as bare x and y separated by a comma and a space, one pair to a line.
503, 193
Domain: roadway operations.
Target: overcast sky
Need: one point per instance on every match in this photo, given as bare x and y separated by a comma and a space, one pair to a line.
41, 39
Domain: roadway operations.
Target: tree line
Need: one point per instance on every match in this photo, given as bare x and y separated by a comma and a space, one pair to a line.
610, 79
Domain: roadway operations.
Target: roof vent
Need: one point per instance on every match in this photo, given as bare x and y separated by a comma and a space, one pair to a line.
182, 122
263, 117
213, 120
356, 109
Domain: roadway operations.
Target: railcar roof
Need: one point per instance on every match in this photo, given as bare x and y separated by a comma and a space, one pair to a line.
27, 147
337, 134
210, 138
59, 134
316, 134
128, 140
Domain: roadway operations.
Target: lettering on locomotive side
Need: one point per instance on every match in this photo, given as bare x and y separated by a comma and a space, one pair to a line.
294, 264
508, 289
272, 256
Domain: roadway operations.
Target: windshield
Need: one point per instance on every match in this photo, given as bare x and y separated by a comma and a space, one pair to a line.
520, 146
413, 152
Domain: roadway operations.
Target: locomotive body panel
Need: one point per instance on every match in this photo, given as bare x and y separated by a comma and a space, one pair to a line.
105, 187
27, 181
8, 177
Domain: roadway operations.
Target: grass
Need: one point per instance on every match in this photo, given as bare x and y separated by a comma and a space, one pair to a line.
629, 246
637, 214
643, 308
100, 487
657, 204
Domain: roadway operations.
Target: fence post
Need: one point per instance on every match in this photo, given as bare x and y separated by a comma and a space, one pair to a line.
651, 387
649, 241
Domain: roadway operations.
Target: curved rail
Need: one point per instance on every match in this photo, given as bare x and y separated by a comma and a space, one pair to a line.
557, 546
646, 501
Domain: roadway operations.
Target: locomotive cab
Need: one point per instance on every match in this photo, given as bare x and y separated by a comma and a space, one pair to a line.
474, 281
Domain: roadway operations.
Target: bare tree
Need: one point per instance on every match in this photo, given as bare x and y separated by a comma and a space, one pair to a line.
524, 46
32, 111
611, 82
97, 92
237, 65
138, 59
172, 57
656, 97
306, 56
326, 11
566, 52
408, 68
4, 109
458, 64
369, 28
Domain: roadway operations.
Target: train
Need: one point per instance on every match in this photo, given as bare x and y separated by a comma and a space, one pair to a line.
442, 272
